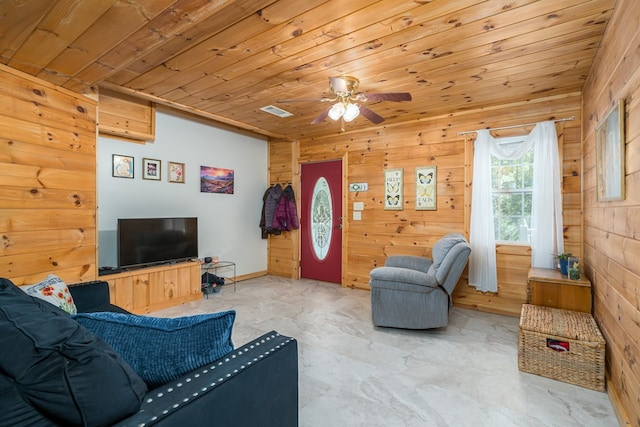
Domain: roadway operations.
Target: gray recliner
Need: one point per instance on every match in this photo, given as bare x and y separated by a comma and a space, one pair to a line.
413, 292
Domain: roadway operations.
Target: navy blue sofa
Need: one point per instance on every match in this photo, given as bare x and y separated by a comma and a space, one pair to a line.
254, 385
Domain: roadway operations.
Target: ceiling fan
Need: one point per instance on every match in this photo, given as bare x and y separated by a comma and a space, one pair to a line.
348, 104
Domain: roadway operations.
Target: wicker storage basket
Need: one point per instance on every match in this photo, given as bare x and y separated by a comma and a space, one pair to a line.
561, 344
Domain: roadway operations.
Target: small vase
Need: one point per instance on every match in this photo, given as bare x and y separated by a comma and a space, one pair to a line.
574, 268
563, 266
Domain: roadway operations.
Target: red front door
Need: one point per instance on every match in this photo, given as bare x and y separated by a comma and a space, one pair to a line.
321, 221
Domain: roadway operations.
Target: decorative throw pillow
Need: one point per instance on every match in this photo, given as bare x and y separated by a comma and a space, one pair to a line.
58, 368
163, 349
54, 291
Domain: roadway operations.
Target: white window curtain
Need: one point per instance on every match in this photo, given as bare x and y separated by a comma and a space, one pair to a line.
546, 209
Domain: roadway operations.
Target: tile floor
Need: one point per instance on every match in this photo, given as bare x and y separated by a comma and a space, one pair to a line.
355, 374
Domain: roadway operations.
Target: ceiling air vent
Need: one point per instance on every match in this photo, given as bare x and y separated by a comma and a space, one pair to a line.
276, 111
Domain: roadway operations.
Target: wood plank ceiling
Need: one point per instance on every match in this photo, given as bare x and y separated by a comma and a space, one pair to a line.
225, 59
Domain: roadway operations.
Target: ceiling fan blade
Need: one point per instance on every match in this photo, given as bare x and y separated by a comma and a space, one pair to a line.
321, 117
370, 115
390, 96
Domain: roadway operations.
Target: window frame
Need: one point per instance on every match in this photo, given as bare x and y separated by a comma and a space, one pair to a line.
521, 190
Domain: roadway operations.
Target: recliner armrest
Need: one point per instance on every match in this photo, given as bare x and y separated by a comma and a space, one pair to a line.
409, 261
403, 275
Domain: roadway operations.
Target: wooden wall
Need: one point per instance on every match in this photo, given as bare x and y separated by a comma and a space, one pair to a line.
283, 258
126, 117
612, 229
433, 141
48, 181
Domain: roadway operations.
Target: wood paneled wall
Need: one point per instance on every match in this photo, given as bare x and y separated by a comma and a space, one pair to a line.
612, 229
434, 141
283, 249
48, 181
126, 117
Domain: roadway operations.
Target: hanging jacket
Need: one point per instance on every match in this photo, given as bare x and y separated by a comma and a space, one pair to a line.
292, 209
270, 207
263, 222
286, 215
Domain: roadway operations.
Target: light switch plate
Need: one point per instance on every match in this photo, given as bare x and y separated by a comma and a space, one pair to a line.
357, 216
358, 206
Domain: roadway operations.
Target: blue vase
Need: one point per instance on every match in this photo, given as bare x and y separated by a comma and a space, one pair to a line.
563, 266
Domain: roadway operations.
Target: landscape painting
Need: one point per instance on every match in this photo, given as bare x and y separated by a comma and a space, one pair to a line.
216, 180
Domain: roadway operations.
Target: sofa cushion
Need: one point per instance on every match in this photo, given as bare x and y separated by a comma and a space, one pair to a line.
15, 409
164, 349
53, 290
66, 373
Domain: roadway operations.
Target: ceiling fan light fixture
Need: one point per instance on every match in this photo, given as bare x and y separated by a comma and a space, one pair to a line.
347, 104
351, 112
337, 111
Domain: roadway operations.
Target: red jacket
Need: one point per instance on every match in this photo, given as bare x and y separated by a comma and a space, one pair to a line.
286, 214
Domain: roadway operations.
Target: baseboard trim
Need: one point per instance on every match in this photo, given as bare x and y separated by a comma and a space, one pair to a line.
251, 275
614, 398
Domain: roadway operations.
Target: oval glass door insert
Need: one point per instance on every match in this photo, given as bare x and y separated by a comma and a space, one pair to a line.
321, 218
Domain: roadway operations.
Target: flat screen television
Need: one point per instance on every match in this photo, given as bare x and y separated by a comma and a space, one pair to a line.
149, 241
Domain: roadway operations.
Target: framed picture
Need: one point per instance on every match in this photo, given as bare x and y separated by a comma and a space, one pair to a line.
122, 166
176, 172
610, 164
216, 180
426, 188
151, 169
393, 189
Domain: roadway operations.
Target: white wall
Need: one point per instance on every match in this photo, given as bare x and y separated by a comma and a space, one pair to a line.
228, 224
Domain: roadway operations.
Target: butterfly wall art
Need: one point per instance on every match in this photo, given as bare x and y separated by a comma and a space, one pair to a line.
426, 188
393, 189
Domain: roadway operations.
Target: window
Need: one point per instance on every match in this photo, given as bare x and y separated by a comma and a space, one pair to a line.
512, 184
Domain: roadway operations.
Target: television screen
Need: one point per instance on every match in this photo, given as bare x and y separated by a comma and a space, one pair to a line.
144, 241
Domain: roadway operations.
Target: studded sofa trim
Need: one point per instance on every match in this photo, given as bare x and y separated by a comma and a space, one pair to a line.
256, 384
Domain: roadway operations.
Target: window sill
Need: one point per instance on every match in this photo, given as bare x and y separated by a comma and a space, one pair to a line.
506, 243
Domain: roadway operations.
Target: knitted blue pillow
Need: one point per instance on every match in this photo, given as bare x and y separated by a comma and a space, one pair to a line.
163, 349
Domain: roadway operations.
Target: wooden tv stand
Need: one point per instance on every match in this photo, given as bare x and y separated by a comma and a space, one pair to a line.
148, 289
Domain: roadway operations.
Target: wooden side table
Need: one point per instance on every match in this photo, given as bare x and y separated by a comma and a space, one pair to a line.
549, 288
